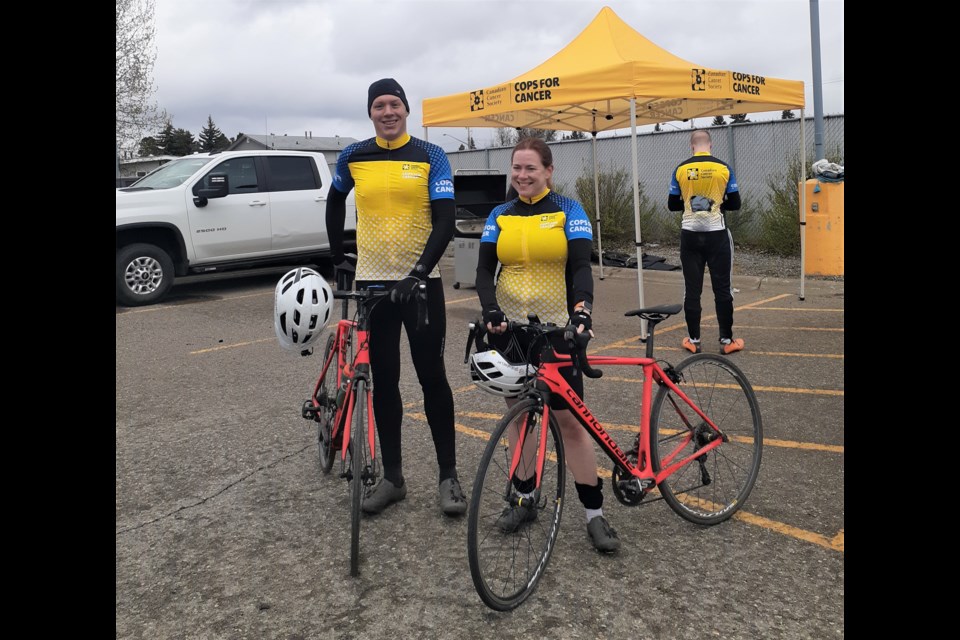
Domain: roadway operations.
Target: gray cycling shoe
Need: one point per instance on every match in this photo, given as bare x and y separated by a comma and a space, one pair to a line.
603, 536
383, 495
452, 500
515, 517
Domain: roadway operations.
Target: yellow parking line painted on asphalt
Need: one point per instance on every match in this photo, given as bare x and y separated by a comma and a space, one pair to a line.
231, 346
459, 300
766, 300
747, 326
834, 544
816, 392
683, 326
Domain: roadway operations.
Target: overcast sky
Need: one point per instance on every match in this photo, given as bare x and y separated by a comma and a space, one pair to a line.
290, 66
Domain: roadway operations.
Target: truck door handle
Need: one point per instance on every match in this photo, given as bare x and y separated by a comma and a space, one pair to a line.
257, 203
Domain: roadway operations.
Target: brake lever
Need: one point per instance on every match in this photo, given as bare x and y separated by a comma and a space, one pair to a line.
423, 317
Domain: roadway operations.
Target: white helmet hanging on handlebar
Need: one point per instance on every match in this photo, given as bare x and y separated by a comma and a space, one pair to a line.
490, 371
301, 308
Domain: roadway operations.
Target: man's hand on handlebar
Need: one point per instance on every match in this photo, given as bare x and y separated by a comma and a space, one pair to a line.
405, 290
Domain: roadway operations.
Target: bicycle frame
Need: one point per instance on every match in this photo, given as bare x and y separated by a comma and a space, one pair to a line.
549, 382
349, 372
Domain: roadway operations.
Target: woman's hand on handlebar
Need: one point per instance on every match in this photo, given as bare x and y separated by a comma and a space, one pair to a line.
495, 320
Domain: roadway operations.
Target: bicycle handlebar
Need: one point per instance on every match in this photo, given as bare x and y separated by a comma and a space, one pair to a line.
371, 296
576, 342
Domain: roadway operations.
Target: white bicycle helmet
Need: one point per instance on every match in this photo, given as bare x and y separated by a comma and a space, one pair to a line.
301, 308
493, 373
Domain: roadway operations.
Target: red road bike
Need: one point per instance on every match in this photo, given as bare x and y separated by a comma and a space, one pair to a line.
342, 402
698, 444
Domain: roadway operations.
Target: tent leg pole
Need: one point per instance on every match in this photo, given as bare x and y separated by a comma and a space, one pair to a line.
596, 204
803, 205
636, 209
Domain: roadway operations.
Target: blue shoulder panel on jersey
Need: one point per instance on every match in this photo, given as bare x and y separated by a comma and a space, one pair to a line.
491, 230
578, 223
441, 176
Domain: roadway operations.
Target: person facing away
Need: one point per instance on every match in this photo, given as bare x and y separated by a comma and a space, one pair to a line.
543, 241
405, 220
704, 188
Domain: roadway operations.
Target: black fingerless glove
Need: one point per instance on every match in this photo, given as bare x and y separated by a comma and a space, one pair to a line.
405, 289
494, 316
580, 318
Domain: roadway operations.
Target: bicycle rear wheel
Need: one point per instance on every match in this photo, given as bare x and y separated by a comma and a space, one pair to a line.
507, 565
362, 474
711, 488
326, 398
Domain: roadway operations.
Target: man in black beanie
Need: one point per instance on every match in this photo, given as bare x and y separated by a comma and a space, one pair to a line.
405, 220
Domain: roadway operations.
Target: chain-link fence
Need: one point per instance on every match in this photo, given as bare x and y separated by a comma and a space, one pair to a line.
763, 155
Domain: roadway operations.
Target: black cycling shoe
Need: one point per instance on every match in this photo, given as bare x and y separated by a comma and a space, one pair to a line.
513, 518
452, 500
603, 536
383, 495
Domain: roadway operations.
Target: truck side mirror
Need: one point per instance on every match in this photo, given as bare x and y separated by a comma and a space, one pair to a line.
218, 186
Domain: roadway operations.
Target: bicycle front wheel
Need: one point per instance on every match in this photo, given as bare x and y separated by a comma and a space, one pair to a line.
361, 469
712, 487
326, 399
509, 540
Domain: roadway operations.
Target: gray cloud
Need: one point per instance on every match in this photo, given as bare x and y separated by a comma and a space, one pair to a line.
289, 66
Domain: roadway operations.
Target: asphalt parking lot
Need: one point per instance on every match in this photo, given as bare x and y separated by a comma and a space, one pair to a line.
225, 527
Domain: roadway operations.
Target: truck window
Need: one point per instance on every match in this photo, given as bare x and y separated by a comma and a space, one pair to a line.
288, 173
242, 173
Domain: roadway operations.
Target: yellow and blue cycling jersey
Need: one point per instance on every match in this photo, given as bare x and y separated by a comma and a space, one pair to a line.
701, 182
532, 246
395, 183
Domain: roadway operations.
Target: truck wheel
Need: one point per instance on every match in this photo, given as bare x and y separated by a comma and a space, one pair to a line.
144, 274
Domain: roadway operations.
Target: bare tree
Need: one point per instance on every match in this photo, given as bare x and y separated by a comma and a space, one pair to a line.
505, 137
136, 54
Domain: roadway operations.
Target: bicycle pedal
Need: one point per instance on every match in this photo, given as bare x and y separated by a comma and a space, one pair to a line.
308, 411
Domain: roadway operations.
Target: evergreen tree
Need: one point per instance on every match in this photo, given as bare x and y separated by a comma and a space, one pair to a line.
718, 121
657, 127
211, 138
164, 138
180, 142
738, 118
149, 147
787, 115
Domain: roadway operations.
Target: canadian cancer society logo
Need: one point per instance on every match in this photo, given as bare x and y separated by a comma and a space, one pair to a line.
698, 79
476, 100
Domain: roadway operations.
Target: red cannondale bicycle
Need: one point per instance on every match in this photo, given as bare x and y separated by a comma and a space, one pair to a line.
342, 401
698, 444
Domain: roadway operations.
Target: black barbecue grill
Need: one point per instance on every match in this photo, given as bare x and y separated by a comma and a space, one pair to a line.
476, 193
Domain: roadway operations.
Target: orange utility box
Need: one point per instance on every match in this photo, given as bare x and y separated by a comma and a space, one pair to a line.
824, 240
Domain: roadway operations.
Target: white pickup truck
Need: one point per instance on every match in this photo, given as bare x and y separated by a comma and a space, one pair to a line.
221, 211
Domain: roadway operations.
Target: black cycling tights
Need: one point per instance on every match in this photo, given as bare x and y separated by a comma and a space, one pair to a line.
426, 351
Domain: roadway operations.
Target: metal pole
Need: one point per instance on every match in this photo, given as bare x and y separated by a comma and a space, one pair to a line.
817, 81
596, 202
636, 208
803, 203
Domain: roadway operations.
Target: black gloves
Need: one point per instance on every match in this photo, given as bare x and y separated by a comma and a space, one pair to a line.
571, 334
580, 318
494, 316
405, 290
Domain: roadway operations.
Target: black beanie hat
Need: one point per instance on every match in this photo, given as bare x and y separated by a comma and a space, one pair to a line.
386, 86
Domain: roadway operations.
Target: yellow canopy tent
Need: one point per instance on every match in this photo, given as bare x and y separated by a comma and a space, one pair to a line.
611, 77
